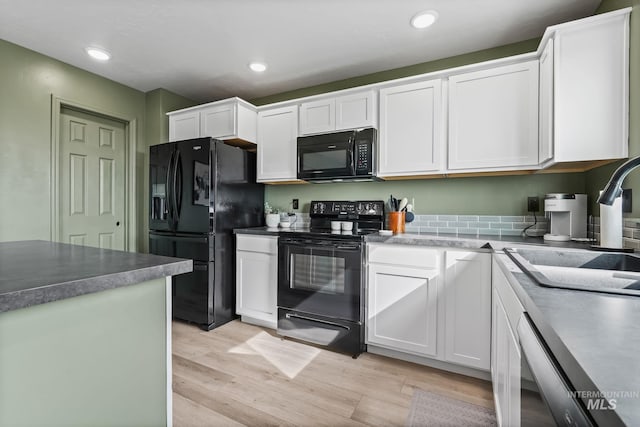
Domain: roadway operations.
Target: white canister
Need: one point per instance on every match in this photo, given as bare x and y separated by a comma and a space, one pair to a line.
272, 220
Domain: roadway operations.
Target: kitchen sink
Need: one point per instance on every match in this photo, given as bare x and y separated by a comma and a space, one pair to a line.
583, 270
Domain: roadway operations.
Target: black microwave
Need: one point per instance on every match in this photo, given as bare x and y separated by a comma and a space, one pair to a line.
338, 156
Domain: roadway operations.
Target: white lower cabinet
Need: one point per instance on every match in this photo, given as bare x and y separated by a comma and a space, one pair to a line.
430, 302
467, 294
257, 279
505, 351
402, 304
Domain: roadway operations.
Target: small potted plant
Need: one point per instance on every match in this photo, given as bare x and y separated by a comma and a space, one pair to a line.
271, 216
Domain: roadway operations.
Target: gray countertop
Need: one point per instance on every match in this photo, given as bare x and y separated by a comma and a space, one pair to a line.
594, 336
462, 241
36, 272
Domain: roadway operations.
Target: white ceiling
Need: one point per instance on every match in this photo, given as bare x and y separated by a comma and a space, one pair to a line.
201, 48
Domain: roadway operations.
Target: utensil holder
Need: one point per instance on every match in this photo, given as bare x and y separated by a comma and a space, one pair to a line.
396, 222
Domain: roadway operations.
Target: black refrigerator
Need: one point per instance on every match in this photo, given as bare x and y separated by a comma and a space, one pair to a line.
200, 190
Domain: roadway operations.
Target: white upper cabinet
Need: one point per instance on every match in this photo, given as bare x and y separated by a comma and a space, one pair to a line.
410, 134
318, 116
350, 111
229, 119
545, 149
591, 88
184, 125
357, 110
277, 136
493, 118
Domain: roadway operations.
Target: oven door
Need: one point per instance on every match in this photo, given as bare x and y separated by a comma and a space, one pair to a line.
546, 396
319, 276
329, 156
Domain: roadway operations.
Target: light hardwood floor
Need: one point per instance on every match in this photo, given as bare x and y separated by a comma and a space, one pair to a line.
239, 374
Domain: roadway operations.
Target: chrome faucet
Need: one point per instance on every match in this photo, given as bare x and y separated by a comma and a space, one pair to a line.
613, 188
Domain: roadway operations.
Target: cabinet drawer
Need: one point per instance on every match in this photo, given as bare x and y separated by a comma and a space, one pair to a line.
404, 255
266, 244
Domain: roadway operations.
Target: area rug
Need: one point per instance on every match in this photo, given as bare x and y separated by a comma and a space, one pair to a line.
431, 409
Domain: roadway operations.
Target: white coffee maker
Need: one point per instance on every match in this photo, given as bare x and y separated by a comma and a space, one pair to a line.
567, 215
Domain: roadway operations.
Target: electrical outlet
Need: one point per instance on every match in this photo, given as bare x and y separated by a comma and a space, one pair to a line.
533, 204
295, 203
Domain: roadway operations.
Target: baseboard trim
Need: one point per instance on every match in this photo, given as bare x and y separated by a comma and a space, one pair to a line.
271, 324
438, 364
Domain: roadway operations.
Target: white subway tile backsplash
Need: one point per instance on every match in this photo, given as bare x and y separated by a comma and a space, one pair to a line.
468, 218
438, 224
502, 225
467, 231
447, 217
484, 218
447, 230
489, 232
458, 224
479, 224
511, 219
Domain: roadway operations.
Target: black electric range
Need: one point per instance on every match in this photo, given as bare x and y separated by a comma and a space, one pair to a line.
321, 277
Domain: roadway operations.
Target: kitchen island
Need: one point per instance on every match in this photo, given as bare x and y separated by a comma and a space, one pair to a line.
84, 335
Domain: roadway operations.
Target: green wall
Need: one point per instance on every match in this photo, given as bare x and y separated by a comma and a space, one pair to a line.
27, 82
460, 196
596, 179
499, 195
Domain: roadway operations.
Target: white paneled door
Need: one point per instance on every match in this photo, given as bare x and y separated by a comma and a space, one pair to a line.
92, 180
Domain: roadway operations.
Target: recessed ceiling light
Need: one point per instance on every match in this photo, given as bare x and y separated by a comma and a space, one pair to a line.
99, 54
424, 19
258, 67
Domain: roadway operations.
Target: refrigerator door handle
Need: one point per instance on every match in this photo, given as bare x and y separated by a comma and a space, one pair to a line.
178, 185
168, 191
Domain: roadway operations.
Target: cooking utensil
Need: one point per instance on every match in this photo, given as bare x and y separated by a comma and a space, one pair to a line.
390, 204
409, 207
394, 204
403, 204
409, 217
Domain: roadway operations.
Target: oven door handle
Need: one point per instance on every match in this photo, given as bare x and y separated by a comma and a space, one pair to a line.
310, 245
311, 319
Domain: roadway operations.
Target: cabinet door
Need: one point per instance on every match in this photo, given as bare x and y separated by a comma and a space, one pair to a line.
468, 308
493, 118
184, 125
513, 378
546, 103
218, 121
256, 285
277, 135
501, 356
402, 308
591, 63
318, 116
410, 129
355, 111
